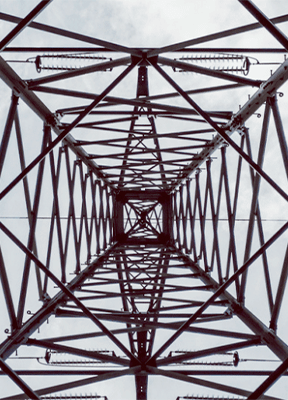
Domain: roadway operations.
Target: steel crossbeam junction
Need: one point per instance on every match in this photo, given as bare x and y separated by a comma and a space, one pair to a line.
143, 203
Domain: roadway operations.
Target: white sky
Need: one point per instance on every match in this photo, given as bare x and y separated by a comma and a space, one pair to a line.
144, 24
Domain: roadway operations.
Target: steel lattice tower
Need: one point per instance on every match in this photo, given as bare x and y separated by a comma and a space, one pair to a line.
143, 212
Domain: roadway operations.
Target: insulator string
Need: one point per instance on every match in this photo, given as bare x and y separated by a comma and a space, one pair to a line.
234, 63
55, 61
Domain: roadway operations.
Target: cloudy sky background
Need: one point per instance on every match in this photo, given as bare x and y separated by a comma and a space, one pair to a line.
140, 24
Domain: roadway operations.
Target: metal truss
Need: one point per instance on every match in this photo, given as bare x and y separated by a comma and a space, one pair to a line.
143, 220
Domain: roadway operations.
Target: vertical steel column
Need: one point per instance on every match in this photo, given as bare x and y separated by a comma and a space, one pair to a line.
7, 293
256, 187
280, 132
7, 130
31, 237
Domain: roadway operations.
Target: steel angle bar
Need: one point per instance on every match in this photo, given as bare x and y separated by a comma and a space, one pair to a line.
280, 293
268, 280
74, 35
97, 334
255, 189
125, 300
190, 304
7, 130
280, 132
55, 49
101, 213
98, 124
31, 236
260, 227
176, 215
182, 118
66, 92
222, 133
94, 216
214, 36
23, 23
111, 101
59, 372
71, 212
132, 166
269, 381
177, 135
192, 246
232, 252
146, 150
206, 71
198, 204
27, 194
127, 151
66, 131
93, 372
79, 383
233, 50
195, 91
215, 255
204, 331
7, 293
202, 382
55, 216
164, 325
19, 382
219, 291
266, 22
216, 247
183, 217
234, 208
84, 224
227, 372
67, 290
